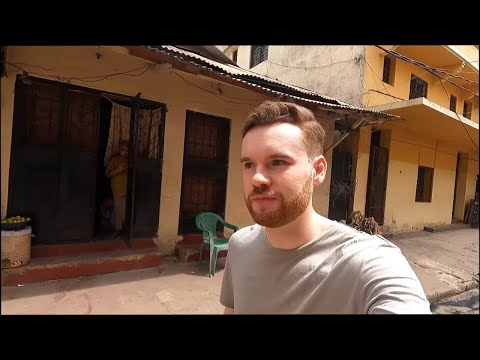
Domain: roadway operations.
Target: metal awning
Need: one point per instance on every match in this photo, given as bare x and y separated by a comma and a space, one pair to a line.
195, 63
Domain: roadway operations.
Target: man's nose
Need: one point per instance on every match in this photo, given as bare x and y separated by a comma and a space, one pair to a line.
260, 178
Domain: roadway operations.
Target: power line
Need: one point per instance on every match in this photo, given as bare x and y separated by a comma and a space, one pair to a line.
333, 77
379, 79
309, 67
443, 89
213, 93
460, 119
424, 66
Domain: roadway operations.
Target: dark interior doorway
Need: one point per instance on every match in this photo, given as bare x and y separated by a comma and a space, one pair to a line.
57, 168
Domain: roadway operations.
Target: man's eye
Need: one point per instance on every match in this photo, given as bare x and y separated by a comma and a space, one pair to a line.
278, 162
247, 165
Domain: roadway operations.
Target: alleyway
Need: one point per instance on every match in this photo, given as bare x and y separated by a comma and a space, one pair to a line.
446, 263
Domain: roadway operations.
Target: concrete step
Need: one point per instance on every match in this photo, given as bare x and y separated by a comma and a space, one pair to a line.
447, 227
107, 245
66, 267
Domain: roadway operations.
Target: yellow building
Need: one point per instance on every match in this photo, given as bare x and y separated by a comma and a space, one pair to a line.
64, 109
432, 150
418, 170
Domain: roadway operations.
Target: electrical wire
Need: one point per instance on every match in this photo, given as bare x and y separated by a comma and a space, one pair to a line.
459, 118
434, 68
424, 66
213, 93
379, 79
309, 67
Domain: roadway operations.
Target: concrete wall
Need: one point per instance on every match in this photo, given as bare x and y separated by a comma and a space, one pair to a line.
336, 71
162, 86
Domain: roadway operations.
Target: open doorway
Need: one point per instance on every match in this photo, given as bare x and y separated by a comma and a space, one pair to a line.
104, 225
113, 128
61, 142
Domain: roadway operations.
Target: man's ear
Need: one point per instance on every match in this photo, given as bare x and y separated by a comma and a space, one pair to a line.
320, 170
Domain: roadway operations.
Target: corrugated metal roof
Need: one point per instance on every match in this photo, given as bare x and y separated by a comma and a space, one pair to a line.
270, 85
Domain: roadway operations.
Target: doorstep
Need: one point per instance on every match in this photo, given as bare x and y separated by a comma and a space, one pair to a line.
87, 264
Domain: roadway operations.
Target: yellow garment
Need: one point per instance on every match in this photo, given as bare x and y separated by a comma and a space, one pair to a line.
119, 181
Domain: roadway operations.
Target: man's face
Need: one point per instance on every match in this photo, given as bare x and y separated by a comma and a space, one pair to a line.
124, 150
278, 176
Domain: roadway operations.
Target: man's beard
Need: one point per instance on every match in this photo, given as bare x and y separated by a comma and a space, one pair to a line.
287, 211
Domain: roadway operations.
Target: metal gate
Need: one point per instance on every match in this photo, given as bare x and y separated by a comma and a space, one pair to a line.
52, 168
377, 184
341, 185
205, 164
147, 127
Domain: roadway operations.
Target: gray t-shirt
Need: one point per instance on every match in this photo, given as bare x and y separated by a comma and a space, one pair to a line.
345, 271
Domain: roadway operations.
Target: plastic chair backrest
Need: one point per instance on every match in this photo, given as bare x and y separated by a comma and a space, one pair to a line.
207, 222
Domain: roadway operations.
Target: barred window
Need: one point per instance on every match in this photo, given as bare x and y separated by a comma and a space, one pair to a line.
418, 88
258, 54
424, 184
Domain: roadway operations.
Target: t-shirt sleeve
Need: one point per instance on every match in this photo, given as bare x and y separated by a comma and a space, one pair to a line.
390, 286
226, 293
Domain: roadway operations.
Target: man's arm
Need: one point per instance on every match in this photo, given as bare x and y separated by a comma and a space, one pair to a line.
112, 172
228, 311
390, 286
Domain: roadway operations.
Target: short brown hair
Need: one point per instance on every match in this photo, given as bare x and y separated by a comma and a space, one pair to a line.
273, 112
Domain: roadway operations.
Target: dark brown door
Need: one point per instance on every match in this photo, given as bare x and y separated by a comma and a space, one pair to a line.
78, 156
205, 167
34, 162
340, 185
52, 168
377, 184
145, 170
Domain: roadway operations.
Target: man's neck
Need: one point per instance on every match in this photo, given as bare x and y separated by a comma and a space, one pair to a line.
302, 230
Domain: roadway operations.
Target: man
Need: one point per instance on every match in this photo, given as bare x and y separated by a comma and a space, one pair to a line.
294, 260
117, 171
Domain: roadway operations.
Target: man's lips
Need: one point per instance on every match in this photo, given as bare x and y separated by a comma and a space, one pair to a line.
262, 197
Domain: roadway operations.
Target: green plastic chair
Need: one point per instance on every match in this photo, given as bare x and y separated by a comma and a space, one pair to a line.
207, 223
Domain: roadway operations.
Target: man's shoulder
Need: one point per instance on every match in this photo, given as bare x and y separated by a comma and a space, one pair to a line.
246, 235
356, 241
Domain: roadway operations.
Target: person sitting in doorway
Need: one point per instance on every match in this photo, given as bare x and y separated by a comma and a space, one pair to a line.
117, 171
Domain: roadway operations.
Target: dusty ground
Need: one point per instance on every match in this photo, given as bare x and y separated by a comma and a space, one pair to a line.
172, 288
446, 263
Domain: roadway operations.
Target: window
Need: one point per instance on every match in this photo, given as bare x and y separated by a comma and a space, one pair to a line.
388, 70
235, 56
258, 54
467, 109
424, 184
453, 103
418, 88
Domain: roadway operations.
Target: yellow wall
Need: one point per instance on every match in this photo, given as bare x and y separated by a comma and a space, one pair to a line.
406, 152
401, 86
7, 93
161, 86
